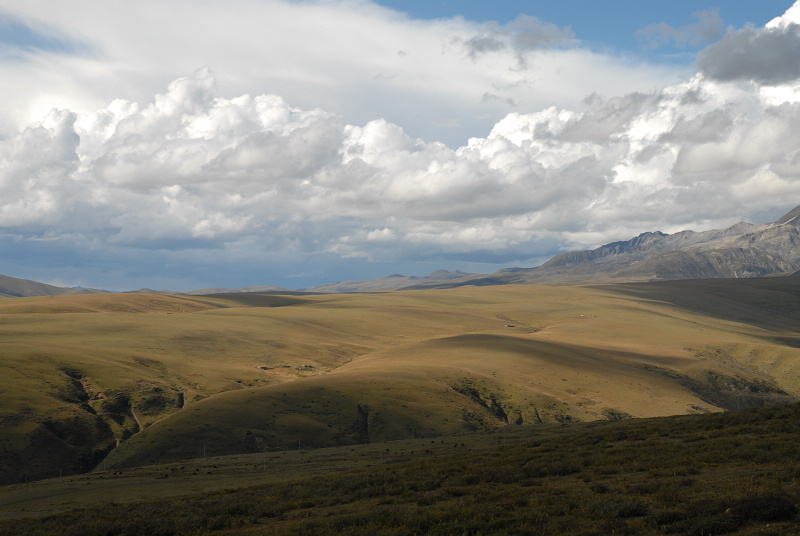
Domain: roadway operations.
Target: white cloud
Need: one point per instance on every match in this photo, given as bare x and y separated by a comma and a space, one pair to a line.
350, 57
197, 170
259, 178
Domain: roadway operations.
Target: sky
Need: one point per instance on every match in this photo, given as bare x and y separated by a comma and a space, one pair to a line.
199, 143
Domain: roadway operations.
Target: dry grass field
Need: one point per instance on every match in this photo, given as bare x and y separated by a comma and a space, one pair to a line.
125, 380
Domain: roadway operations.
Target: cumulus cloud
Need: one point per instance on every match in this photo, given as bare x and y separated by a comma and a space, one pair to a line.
192, 171
769, 55
34, 168
198, 179
353, 58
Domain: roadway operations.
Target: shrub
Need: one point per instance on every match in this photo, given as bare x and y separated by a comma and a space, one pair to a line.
767, 507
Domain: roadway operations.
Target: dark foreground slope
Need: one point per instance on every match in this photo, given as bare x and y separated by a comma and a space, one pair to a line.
730, 473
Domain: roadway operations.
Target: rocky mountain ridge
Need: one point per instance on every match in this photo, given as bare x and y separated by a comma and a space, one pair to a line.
742, 250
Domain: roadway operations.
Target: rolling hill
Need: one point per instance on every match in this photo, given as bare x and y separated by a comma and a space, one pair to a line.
392, 282
132, 379
12, 287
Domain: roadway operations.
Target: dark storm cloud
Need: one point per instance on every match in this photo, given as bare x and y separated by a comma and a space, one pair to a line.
767, 56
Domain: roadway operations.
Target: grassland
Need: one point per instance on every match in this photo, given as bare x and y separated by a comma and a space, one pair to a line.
128, 380
724, 473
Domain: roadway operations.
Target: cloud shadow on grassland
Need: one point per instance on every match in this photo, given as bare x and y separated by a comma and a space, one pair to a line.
771, 303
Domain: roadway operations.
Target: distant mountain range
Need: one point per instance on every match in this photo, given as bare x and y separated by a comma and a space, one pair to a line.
743, 250
242, 290
394, 282
12, 287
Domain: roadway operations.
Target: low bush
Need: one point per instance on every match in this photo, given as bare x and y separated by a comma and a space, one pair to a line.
565, 484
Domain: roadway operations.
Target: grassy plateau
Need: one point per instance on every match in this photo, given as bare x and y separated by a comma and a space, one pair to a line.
474, 410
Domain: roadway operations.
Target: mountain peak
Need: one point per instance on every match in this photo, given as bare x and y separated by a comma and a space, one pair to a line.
793, 216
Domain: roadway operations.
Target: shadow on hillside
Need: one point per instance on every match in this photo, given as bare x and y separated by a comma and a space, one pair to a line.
248, 299
771, 303
726, 391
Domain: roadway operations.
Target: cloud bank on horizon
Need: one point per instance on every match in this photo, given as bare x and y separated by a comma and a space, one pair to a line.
321, 141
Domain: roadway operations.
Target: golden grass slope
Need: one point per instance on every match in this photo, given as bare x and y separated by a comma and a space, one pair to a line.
144, 378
